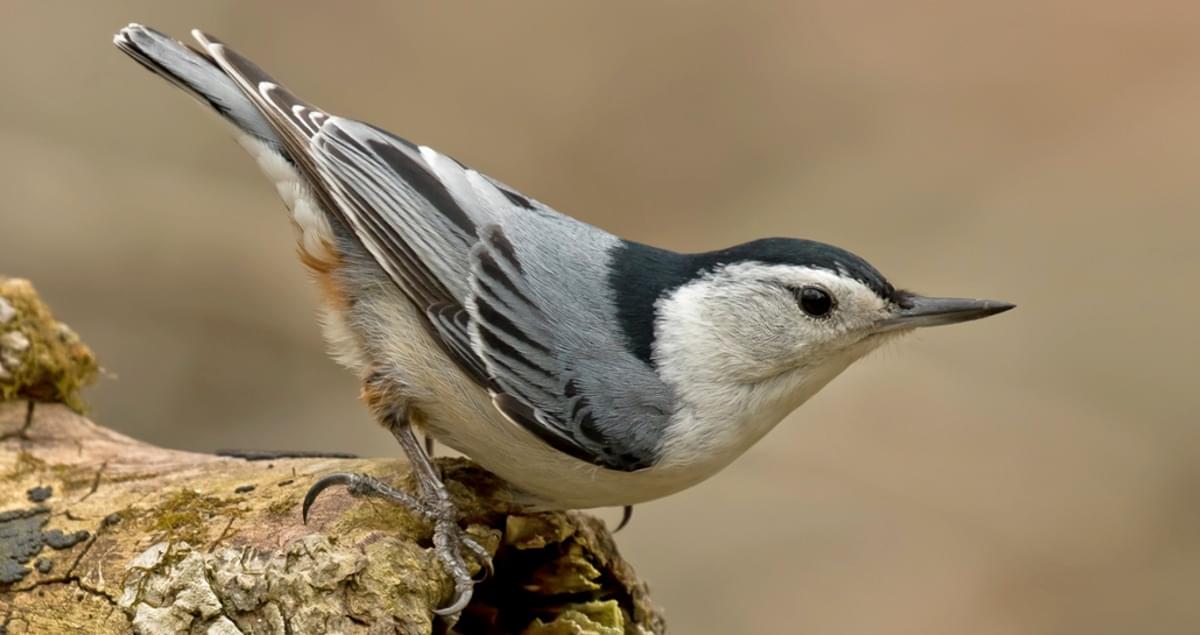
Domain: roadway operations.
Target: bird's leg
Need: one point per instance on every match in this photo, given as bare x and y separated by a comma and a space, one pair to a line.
429, 445
449, 540
433, 501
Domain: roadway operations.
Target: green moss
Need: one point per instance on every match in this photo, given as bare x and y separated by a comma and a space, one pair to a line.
73, 477
281, 506
108, 477
606, 613
76, 477
536, 531
378, 515
185, 515
52, 364
25, 465
590, 618
372, 515
572, 572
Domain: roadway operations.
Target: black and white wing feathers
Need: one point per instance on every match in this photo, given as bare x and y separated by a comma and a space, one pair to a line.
532, 385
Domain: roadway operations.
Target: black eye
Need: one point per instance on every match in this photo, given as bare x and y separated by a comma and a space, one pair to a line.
815, 301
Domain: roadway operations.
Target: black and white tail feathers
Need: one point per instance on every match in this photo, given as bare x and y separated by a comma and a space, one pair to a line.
198, 75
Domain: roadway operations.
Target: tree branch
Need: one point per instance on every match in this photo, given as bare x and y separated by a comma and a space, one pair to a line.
104, 534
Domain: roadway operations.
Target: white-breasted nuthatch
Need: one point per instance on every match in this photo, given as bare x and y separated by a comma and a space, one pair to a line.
584, 369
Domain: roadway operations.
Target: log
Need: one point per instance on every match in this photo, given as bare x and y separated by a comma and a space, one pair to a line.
101, 533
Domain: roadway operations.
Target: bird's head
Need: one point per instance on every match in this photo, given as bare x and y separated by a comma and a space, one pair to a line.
774, 320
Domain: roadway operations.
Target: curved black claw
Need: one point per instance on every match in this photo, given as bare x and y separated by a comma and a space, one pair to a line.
484, 558
361, 485
626, 514
322, 484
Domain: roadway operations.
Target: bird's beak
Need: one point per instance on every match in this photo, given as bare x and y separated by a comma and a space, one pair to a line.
918, 311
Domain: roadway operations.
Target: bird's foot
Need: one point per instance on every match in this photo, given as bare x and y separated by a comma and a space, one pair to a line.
361, 485
451, 543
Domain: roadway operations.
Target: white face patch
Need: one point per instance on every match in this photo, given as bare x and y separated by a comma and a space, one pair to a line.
750, 323
741, 353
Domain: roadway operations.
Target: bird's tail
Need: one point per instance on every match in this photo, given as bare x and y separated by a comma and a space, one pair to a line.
198, 75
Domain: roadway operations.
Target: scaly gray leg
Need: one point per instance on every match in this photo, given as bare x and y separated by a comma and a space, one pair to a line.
434, 504
449, 540
360, 485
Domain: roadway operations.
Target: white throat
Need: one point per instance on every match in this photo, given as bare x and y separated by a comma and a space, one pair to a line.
718, 421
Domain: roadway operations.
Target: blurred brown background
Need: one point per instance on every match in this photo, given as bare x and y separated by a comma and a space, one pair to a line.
1033, 473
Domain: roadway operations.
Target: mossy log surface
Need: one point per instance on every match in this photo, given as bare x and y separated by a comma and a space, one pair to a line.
100, 533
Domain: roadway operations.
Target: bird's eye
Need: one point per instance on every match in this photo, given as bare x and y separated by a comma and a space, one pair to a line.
815, 301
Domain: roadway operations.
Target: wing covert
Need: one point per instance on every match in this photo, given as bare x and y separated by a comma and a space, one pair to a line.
532, 384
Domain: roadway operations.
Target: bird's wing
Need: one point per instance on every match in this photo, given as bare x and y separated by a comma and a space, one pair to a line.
433, 226
533, 385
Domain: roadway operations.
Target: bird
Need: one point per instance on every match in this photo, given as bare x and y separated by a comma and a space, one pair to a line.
584, 369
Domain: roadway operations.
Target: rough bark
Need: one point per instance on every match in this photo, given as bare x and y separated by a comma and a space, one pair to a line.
101, 533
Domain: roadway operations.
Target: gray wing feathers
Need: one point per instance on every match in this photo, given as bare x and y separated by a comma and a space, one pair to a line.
429, 221
537, 371
510, 332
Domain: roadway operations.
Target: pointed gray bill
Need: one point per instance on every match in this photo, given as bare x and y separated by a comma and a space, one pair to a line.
918, 311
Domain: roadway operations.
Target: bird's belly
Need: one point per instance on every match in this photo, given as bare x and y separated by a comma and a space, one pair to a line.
552, 479
459, 414
466, 421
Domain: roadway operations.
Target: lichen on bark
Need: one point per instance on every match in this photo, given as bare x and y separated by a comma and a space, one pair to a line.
40, 357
